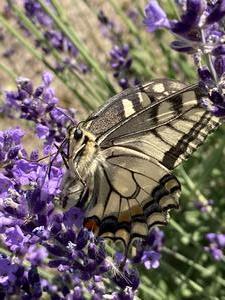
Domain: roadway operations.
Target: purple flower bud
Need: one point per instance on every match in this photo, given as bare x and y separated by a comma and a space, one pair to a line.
34, 280
182, 46
7, 272
102, 18
16, 240
56, 250
82, 238
221, 240
219, 50
219, 65
217, 98
25, 84
156, 239
38, 92
217, 244
42, 131
36, 255
129, 278
74, 216
5, 184
13, 152
190, 18
123, 82
155, 17
216, 253
150, 259
217, 13
47, 78
34, 155
206, 77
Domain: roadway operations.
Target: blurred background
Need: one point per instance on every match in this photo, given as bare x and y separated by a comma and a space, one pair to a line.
95, 49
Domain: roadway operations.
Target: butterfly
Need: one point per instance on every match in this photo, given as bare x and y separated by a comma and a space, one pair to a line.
120, 159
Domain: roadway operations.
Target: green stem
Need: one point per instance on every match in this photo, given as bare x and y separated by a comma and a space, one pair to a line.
193, 264
9, 72
174, 8
179, 229
213, 161
133, 29
192, 186
182, 277
149, 292
147, 283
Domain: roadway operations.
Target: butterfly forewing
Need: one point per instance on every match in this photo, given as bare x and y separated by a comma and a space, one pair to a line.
140, 136
129, 102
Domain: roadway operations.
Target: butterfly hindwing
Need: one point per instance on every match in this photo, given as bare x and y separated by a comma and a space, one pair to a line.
135, 194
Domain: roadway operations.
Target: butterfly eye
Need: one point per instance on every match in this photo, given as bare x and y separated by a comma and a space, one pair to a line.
77, 134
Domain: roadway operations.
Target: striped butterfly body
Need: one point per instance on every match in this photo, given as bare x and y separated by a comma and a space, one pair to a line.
121, 157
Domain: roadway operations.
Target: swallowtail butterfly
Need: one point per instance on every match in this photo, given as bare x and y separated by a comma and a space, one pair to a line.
121, 158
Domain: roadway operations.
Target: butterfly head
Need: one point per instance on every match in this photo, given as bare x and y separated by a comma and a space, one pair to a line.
82, 149
77, 134
76, 138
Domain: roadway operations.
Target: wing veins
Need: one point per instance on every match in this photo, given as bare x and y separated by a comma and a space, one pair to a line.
112, 129
134, 171
152, 128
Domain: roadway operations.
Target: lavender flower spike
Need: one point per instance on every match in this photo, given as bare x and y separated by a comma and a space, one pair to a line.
155, 18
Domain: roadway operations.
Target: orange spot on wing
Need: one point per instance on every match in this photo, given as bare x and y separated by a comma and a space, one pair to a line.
91, 225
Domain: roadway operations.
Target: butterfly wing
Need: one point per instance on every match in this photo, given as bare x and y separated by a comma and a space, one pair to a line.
131, 195
163, 119
142, 133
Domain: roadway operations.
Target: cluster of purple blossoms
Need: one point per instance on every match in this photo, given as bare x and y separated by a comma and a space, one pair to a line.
199, 32
39, 106
216, 245
109, 29
121, 62
120, 58
55, 38
36, 235
204, 207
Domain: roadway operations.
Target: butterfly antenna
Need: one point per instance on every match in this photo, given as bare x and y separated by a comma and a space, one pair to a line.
117, 271
123, 263
55, 154
38, 160
59, 150
68, 116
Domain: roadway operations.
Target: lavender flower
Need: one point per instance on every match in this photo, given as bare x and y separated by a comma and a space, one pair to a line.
109, 28
33, 230
39, 106
36, 232
200, 32
148, 251
53, 37
216, 245
155, 17
120, 58
121, 64
204, 207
